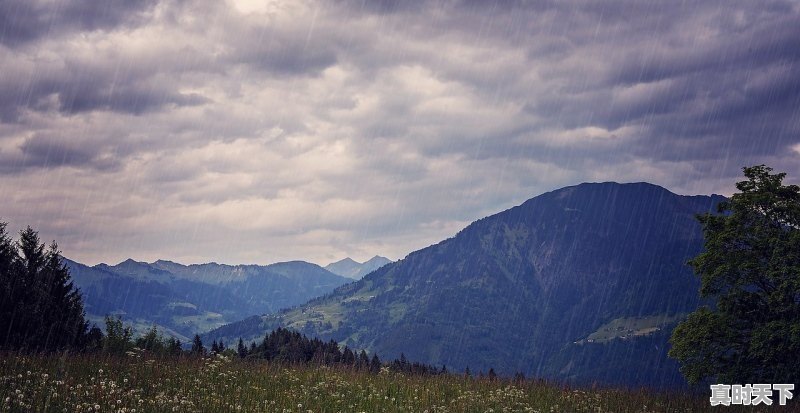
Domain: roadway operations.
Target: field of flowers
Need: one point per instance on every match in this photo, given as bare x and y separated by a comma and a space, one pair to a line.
218, 384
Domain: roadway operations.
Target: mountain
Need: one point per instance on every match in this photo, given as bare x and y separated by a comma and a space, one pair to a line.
353, 269
188, 299
581, 284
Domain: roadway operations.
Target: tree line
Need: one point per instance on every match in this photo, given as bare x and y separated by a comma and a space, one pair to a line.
41, 310
287, 346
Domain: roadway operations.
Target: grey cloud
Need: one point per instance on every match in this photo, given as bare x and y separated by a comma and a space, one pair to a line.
285, 51
24, 21
379, 123
53, 150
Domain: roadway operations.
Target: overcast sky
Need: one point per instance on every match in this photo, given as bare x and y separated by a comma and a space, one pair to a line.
261, 131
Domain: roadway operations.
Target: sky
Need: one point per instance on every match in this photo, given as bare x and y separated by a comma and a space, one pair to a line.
265, 131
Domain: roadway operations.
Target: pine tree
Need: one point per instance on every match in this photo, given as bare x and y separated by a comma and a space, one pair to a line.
41, 309
174, 346
8, 288
348, 357
197, 346
241, 349
363, 360
375, 364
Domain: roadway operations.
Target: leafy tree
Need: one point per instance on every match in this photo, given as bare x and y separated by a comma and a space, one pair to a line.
750, 269
152, 341
118, 336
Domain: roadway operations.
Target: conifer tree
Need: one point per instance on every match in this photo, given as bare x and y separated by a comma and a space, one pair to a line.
375, 364
241, 349
197, 346
492, 375
40, 309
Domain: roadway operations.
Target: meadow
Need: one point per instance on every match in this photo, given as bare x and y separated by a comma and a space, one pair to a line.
138, 383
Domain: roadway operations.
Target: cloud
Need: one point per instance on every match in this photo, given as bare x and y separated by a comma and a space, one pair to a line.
26, 21
249, 131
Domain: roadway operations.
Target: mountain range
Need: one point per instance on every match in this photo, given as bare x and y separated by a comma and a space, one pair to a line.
582, 284
182, 300
356, 270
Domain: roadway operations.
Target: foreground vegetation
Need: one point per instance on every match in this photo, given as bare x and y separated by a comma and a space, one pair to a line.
139, 383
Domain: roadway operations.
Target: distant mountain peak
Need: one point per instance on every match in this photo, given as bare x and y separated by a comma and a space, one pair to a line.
346, 260
351, 268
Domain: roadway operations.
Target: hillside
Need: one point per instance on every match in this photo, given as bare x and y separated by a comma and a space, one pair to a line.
519, 290
184, 300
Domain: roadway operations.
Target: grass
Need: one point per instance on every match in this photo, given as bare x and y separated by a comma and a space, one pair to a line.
631, 326
137, 383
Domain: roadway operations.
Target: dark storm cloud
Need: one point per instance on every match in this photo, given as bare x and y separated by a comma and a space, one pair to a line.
401, 120
75, 86
694, 79
52, 152
25, 21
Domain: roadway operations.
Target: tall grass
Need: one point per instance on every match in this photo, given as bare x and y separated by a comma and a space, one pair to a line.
138, 383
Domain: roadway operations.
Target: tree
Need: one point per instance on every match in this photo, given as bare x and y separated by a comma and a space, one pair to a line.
40, 309
375, 364
94, 340
492, 375
750, 270
174, 346
8, 287
152, 341
241, 350
118, 336
197, 346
